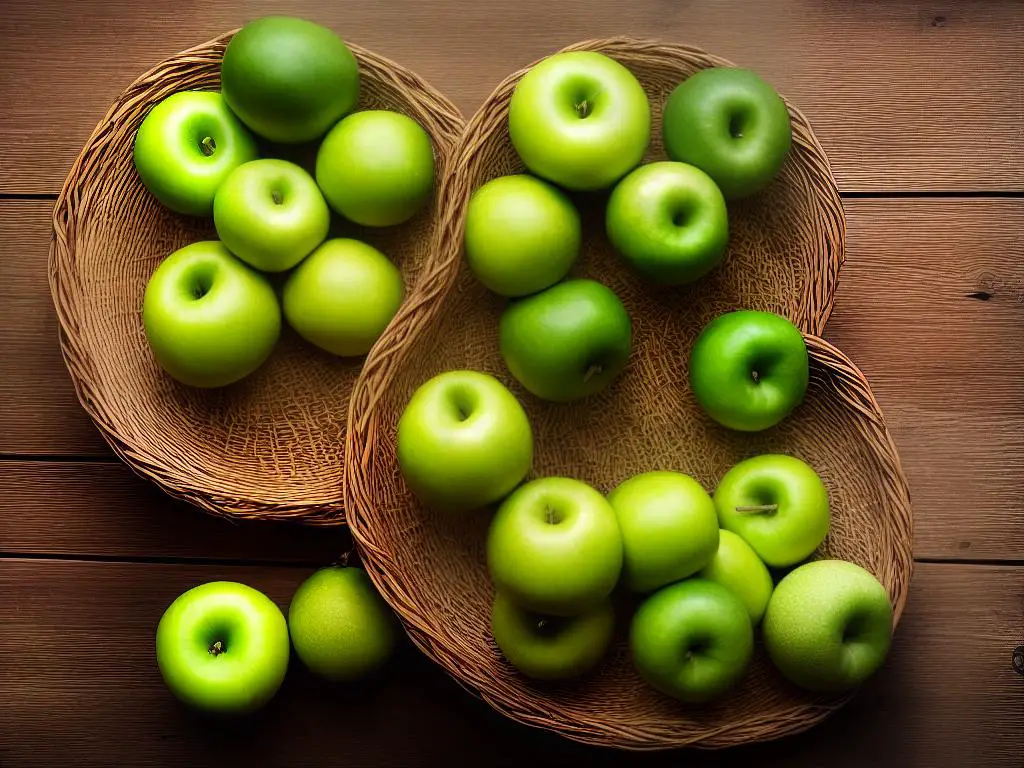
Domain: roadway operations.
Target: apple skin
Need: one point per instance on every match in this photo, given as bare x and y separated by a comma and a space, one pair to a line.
342, 296
787, 534
567, 342
669, 528
554, 547
692, 640
522, 235
185, 148
245, 671
463, 441
749, 370
376, 168
289, 79
580, 119
210, 319
340, 627
735, 565
732, 125
669, 221
552, 647
270, 214
828, 626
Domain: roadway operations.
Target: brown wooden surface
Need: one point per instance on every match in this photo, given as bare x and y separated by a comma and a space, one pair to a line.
912, 100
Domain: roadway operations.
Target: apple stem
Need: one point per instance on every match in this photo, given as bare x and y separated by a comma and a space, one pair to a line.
276, 197
217, 648
208, 146
755, 376
583, 108
756, 508
592, 371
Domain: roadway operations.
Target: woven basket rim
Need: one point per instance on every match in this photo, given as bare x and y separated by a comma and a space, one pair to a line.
64, 282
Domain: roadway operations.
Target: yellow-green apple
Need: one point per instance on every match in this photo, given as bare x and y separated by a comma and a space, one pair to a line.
342, 296
376, 168
777, 504
731, 124
736, 565
210, 319
692, 640
669, 221
340, 627
554, 547
568, 341
270, 214
828, 625
289, 79
749, 370
669, 528
186, 146
222, 647
463, 441
580, 119
551, 647
522, 235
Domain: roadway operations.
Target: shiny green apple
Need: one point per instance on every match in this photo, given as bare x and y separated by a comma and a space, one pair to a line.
209, 319
735, 565
185, 148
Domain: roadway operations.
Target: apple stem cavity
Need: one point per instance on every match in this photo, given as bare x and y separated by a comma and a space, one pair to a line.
217, 648
755, 509
592, 371
208, 146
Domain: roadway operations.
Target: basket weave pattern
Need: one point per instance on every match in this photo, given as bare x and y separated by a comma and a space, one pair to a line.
786, 248
270, 446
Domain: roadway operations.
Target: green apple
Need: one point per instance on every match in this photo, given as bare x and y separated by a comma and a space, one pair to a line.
669, 528
567, 342
732, 125
552, 647
554, 547
343, 296
376, 168
777, 504
692, 640
749, 370
186, 146
828, 625
669, 221
522, 235
289, 79
580, 119
736, 565
223, 648
463, 441
270, 214
209, 318
340, 627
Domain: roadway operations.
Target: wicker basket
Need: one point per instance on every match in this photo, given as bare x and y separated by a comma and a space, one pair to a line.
786, 250
270, 446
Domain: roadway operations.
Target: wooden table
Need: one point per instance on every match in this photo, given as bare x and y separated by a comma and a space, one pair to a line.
919, 105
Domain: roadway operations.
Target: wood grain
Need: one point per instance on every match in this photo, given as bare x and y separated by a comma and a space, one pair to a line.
81, 687
931, 306
104, 510
948, 369
904, 95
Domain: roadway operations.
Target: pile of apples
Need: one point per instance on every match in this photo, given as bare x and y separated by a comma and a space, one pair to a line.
558, 548
210, 314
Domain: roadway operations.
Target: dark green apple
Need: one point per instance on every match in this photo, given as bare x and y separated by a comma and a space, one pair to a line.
669, 221
580, 119
551, 647
567, 342
732, 125
289, 79
749, 370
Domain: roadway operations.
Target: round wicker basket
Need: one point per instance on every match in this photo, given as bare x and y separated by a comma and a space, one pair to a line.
270, 446
786, 250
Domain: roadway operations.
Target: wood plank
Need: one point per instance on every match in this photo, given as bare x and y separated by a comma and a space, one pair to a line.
931, 306
905, 95
77, 645
104, 510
